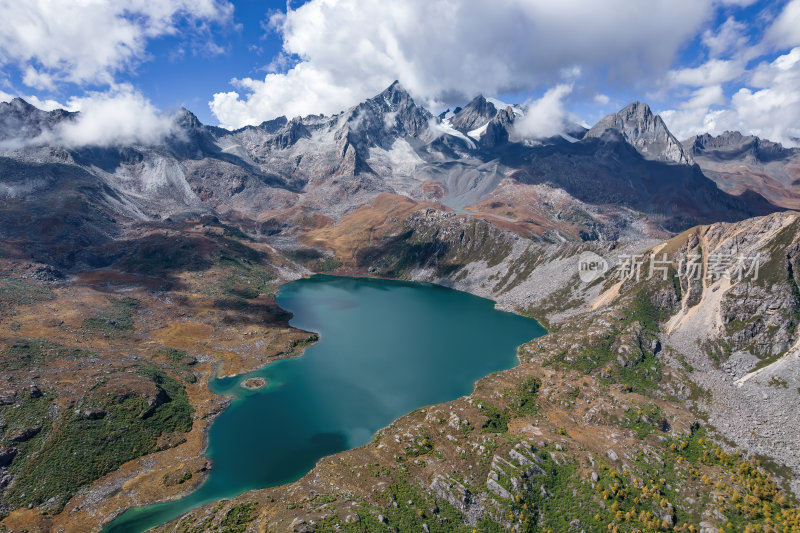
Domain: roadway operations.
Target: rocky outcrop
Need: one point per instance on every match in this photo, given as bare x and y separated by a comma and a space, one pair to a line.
460, 497
474, 115
7, 396
643, 130
25, 434
6, 456
734, 145
20, 120
745, 163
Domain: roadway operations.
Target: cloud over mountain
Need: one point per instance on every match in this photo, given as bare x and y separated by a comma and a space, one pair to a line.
446, 52
119, 117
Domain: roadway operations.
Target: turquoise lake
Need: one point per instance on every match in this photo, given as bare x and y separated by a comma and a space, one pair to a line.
386, 348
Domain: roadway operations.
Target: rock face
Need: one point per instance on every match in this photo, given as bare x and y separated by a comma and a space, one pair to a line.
474, 115
6, 456
498, 130
745, 163
643, 130
741, 338
26, 433
625, 166
19, 119
734, 145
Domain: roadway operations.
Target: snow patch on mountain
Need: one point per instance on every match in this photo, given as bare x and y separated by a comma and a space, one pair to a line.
445, 127
478, 132
499, 104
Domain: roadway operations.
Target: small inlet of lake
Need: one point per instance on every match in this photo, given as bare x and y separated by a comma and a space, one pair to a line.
386, 348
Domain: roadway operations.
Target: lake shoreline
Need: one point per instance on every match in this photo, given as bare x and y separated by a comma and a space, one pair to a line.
257, 383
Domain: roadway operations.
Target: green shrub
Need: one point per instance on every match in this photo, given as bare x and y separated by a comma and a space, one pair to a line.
118, 319
497, 420
37, 352
15, 292
74, 450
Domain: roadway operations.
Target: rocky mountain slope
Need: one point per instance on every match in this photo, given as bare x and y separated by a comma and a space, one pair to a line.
635, 402
129, 275
627, 168
737, 163
630, 415
643, 130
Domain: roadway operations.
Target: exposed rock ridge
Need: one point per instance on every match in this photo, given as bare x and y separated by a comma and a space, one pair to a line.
643, 130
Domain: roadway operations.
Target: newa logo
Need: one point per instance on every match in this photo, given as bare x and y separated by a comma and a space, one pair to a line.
591, 266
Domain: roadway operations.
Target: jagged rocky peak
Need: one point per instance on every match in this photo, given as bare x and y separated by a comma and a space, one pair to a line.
643, 130
187, 120
20, 119
474, 115
395, 96
384, 118
498, 130
17, 105
288, 133
409, 118
732, 144
271, 126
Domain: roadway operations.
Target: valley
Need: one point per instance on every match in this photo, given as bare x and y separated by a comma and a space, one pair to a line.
137, 282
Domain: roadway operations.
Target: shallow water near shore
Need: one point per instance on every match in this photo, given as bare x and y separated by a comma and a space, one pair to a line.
386, 348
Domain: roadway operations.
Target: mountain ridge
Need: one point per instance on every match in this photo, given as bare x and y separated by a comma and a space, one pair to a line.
332, 165
739, 162
130, 268
645, 131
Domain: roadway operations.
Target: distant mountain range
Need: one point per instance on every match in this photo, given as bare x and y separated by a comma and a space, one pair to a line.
625, 178
132, 275
741, 163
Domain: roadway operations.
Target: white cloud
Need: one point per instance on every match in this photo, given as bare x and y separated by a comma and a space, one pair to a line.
38, 80
118, 117
445, 51
44, 105
601, 99
728, 37
55, 41
544, 117
785, 30
705, 97
769, 107
773, 109
713, 72
766, 101
683, 123
89, 42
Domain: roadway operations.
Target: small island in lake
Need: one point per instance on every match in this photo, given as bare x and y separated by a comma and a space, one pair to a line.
254, 383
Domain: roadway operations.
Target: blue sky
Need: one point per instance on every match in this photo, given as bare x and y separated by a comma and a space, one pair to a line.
177, 71
704, 64
177, 76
